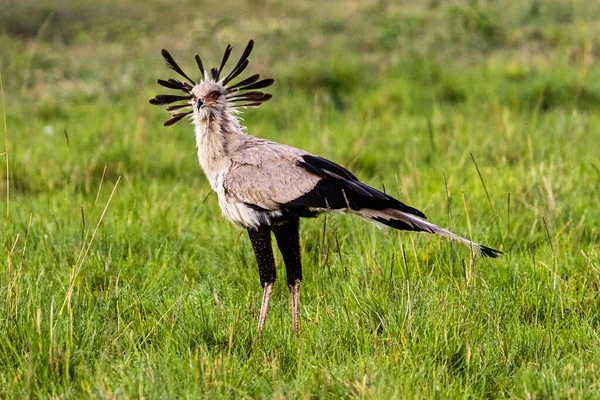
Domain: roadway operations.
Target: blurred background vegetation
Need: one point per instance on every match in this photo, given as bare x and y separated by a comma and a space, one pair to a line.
407, 94
376, 59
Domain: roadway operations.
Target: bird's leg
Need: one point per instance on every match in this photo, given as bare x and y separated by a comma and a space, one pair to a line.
288, 241
261, 244
295, 289
264, 306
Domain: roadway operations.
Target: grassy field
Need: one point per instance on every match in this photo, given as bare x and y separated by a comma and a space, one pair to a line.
121, 280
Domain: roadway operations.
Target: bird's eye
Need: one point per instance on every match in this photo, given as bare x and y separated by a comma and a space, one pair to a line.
214, 95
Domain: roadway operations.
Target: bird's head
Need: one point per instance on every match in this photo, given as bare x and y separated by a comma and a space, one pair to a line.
213, 93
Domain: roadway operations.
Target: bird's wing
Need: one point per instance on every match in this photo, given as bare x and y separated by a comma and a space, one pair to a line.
267, 175
272, 176
338, 188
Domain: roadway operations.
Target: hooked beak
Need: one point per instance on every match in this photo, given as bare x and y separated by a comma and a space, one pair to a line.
204, 101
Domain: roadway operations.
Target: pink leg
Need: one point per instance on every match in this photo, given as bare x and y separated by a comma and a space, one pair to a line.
295, 289
264, 306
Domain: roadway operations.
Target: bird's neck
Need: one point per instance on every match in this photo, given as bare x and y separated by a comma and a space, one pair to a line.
217, 136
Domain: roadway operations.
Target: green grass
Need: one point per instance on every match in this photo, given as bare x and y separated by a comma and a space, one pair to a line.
159, 296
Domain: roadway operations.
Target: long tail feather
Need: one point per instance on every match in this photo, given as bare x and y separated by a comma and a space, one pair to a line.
404, 221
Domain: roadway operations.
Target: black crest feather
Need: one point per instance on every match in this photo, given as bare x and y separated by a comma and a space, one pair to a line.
248, 95
259, 85
256, 92
241, 64
174, 66
245, 82
161, 99
215, 74
176, 118
261, 99
233, 74
200, 66
177, 107
224, 60
175, 84
255, 104
241, 94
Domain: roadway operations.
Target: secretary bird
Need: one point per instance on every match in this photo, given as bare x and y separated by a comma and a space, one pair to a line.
266, 187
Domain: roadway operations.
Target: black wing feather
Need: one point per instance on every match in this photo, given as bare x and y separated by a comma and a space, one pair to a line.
339, 189
322, 165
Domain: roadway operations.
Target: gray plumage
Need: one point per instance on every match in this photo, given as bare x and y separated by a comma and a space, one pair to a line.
266, 175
